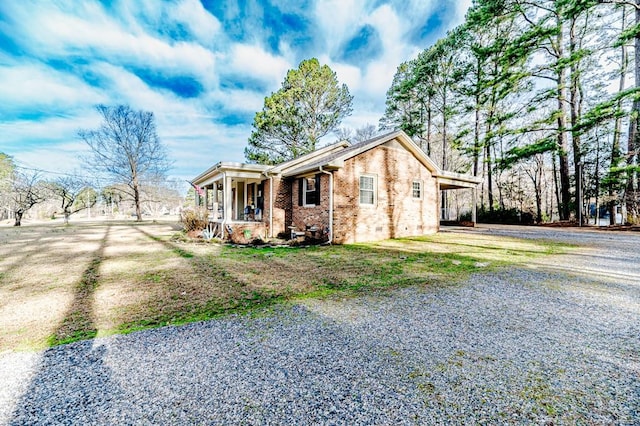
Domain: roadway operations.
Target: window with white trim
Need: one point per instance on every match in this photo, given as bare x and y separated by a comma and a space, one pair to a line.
309, 191
416, 189
367, 190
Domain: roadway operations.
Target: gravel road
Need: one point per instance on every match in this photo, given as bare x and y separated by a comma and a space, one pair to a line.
554, 343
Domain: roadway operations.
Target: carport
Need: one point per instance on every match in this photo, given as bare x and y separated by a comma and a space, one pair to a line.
448, 181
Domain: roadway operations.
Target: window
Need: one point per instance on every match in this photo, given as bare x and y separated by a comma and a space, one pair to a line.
367, 190
309, 191
416, 189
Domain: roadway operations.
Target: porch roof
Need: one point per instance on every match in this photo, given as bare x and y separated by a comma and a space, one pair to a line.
451, 180
232, 169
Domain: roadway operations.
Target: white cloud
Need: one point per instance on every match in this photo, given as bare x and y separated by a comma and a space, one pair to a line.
55, 129
184, 125
239, 100
254, 61
48, 144
420, 7
92, 32
379, 73
462, 7
65, 158
347, 74
201, 23
339, 20
37, 85
112, 41
394, 22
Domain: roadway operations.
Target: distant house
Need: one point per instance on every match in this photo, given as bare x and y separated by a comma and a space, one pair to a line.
381, 188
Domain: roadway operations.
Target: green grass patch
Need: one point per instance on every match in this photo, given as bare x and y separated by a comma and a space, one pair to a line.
151, 279
299, 273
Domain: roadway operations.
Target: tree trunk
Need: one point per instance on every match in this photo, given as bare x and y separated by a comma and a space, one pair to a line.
597, 177
18, 218
429, 127
487, 139
136, 198
487, 156
633, 144
563, 161
617, 132
556, 184
563, 155
444, 129
537, 184
476, 124
575, 102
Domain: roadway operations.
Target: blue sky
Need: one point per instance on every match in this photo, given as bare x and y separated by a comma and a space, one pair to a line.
203, 67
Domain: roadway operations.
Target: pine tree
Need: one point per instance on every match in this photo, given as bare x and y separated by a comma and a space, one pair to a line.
309, 105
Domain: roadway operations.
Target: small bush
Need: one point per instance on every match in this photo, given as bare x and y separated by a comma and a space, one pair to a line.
195, 219
258, 242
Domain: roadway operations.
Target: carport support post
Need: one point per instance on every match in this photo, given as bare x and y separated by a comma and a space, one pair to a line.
474, 207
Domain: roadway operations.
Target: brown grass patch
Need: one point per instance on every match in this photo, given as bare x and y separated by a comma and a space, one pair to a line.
64, 283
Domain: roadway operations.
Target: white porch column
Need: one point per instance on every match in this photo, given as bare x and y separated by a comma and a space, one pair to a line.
228, 201
214, 213
245, 201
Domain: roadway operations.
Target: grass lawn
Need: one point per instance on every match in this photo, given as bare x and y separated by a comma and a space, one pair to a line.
60, 284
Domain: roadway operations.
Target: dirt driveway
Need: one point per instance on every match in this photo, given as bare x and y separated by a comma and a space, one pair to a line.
611, 256
554, 341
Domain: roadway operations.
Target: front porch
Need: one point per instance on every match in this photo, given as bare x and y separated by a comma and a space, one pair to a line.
233, 194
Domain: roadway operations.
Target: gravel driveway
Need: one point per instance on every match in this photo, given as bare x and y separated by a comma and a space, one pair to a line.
556, 343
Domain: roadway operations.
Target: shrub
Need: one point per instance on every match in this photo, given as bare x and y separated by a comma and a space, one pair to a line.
194, 219
503, 216
258, 242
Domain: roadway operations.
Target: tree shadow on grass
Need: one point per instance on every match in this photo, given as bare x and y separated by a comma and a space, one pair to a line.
249, 278
235, 294
24, 251
80, 322
73, 383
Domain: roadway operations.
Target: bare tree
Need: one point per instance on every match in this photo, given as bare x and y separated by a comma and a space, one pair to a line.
7, 168
126, 147
26, 192
534, 168
161, 199
74, 193
366, 132
344, 133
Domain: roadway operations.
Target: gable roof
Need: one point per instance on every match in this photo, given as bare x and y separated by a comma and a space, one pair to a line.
255, 171
332, 157
311, 157
336, 159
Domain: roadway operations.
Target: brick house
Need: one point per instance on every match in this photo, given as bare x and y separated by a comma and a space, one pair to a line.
385, 187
